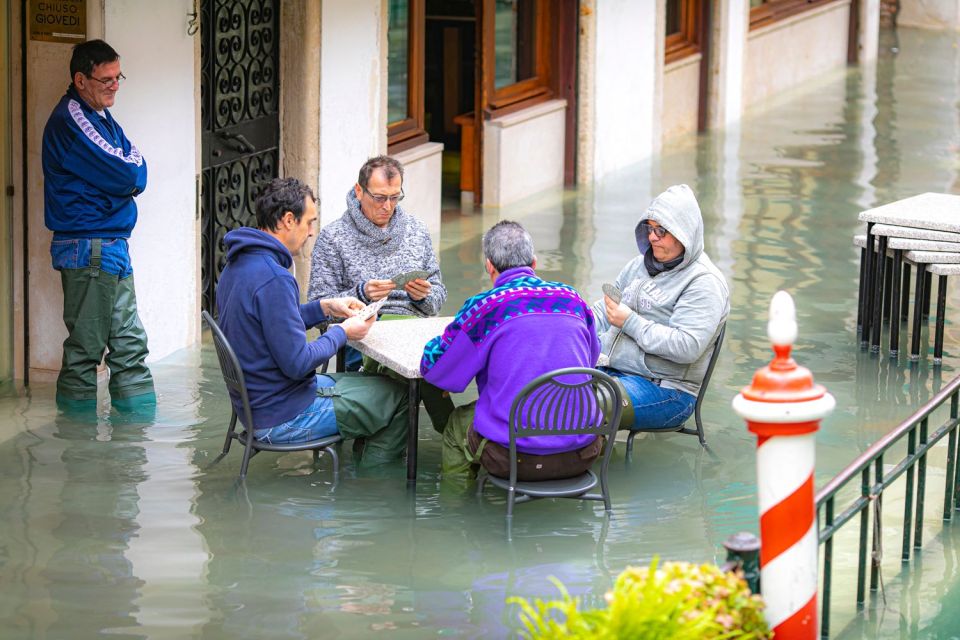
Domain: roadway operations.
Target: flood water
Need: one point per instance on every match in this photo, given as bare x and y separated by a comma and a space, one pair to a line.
116, 524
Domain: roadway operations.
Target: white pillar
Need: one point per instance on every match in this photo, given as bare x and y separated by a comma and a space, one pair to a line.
868, 35
618, 85
728, 37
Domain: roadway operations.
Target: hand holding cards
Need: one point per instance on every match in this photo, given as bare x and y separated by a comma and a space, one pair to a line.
370, 309
612, 292
401, 279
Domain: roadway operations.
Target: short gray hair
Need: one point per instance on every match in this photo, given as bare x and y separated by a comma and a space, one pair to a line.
391, 169
508, 245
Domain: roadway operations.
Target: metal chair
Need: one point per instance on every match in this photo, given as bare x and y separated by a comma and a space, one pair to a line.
236, 385
703, 391
548, 406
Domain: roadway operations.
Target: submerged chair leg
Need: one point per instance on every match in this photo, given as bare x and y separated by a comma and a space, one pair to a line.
247, 454
633, 434
233, 424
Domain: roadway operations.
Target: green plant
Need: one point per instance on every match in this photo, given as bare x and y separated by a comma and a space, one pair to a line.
678, 601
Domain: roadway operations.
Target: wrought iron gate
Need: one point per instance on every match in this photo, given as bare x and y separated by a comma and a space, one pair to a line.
240, 55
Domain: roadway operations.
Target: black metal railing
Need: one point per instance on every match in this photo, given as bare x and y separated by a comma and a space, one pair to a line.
919, 440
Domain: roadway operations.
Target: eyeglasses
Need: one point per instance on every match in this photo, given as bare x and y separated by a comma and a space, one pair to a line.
382, 199
660, 232
107, 82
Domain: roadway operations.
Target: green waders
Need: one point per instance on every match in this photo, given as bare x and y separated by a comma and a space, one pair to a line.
100, 312
372, 409
435, 400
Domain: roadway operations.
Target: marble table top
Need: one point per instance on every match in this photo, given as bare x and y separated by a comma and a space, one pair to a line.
938, 211
399, 343
910, 244
915, 233
932, 257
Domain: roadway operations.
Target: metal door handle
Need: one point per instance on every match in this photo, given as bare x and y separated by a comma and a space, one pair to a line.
242, 144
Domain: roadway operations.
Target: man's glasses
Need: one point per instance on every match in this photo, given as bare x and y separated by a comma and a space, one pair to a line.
381, 199
108, 82
657, 231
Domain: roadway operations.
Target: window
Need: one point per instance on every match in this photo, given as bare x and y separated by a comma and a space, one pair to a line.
517, 45
683, 29
405, 44
764, 12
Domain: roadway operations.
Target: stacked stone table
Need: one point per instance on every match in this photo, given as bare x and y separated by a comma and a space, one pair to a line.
924, 232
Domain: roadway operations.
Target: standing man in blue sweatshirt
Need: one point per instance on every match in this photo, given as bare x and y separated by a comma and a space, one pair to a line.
92, 173
260, 313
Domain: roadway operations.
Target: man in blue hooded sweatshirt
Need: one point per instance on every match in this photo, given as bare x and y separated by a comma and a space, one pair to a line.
260, 313
91, 174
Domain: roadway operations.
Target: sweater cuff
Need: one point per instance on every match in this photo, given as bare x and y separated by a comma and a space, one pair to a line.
360, 295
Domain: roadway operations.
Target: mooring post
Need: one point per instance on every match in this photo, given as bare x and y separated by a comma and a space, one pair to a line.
783, 407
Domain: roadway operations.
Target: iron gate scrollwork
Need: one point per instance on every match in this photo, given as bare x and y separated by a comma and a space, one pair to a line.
240, 122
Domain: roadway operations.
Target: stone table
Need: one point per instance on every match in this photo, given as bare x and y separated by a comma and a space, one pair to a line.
398, 344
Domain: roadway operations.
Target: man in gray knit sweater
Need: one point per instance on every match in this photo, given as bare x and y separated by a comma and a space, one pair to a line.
373, 241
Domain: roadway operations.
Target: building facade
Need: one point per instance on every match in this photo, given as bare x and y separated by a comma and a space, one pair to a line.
485, 101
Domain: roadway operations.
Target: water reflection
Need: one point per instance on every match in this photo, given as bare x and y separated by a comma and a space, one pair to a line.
118, 522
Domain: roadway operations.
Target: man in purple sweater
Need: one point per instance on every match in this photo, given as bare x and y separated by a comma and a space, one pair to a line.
505, 337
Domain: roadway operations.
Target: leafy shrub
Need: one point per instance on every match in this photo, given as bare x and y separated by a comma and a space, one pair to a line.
678, 601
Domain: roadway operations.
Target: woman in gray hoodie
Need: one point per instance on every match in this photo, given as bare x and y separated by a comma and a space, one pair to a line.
659, 336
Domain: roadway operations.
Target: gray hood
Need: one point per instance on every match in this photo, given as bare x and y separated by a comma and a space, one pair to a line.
677, 211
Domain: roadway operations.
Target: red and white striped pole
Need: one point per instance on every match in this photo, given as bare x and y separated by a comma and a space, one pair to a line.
784, 407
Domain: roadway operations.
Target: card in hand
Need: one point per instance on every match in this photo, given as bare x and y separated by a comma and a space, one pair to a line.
371, 309
400, 280
612, 292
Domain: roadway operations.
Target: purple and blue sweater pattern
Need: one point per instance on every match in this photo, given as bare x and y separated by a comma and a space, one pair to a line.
481, 314
506, 337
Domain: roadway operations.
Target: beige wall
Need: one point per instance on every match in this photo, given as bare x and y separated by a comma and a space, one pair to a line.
794, 50
422, 166
929, 14
523, 153
681, 96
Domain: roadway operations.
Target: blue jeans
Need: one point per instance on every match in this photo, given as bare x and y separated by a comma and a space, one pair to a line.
316, 421
75, 253
655, 407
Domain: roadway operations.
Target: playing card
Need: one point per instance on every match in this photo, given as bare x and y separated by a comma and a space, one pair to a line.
371, 309
401, 279
612, 292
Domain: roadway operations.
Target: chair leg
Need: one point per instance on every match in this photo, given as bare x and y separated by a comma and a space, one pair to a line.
630, 437
511, 494
247, 454
233, 424
481, 482
699, 420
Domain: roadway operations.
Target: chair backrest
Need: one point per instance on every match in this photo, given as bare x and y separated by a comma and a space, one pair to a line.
564, 402
711, 364
230, 368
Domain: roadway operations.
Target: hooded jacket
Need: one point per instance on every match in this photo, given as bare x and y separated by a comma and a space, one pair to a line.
677, 313
352, 250
91, 173
260, 313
